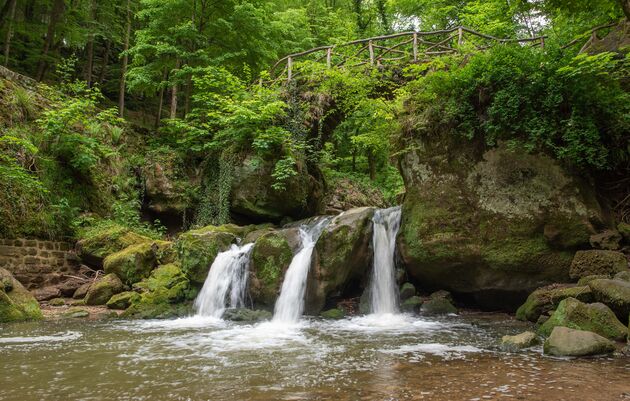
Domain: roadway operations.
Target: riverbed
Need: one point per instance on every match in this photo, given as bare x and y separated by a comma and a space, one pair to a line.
387, 357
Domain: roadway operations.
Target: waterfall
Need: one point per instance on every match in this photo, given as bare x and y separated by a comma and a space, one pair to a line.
290, 303
226, 282
383, 288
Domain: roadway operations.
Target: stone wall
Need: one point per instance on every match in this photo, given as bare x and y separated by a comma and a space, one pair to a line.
36, 263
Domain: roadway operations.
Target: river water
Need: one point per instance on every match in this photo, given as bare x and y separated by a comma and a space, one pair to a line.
387, 357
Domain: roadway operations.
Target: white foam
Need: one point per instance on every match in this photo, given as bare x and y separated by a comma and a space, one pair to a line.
385, 322
67, 336
443, 350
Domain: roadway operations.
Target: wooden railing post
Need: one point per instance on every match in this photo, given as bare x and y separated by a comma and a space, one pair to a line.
460, 36
329, 57
371, 48
415, 46
289, 68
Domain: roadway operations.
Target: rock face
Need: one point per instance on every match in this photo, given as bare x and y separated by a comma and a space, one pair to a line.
490, 224
545, 299
196, 250
614, 293
103, 289
16, 303
96, 245
342, 255
587, 263
564, 341
597, 318
134, 263
270, 258
165, 293
253, 197
519, 341
608, 239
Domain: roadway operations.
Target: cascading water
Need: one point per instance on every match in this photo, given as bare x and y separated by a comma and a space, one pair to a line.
226, 283
290, 303
383, 289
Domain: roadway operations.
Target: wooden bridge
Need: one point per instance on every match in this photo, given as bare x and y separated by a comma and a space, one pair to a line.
404, 47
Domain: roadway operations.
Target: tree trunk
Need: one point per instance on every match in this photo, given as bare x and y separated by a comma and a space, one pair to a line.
625, 5
56, 12
101, 76
90, 46
189, 88
7, 41
354, 159
158, 117
125, 60
174, 94
372, 164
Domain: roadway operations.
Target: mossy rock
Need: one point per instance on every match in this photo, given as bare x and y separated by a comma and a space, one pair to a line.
342, 255
165, 293
411, 305
334, 314
75, 313
407, 290
437, 306
623, 276
597, 318
587, 263
16, 303
587, 279
614, 293
197, 249
565, 341
57, 302
103, 289
624, 230
607, 239
136, 262
270, 258
546, 299
246, 315
81, 291
97, 244
520, 341
123, 300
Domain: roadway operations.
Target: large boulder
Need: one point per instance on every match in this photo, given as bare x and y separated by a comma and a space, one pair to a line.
564, 341
98, 243
342, 256
103, 289
546, 299
491, 224
136, 262
596, 317
197, 249
253, 196
270, 258
16, 303
614, 293
607, 239
165, 293
587, 263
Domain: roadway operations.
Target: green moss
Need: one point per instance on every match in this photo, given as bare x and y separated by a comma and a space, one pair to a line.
546, 299
75, 313
597, 318
335, 314
136, 262
103, 289
57, 302
123, 300
197, 249
271, 255
411, 304
102, 241
17, 304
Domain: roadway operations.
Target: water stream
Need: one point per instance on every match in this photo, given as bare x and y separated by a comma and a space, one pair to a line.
383, 289
290, 303
226, 283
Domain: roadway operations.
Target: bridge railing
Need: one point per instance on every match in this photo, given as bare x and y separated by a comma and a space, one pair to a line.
405, 47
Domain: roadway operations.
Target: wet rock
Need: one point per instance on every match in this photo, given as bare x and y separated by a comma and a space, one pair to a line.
407, 290
165, 293
586, 280
565, 341
546, 299
608, 239
123, 300
16, 303
197, 249
97, 244
614, 293
334, 314
246, 315
46, 293
412, 304
75, 313
342, 255
596, 317
103, 289
472, 220
136, 262
587, 263
57, 302
519, 341
270, 258
442, 294
438, 306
